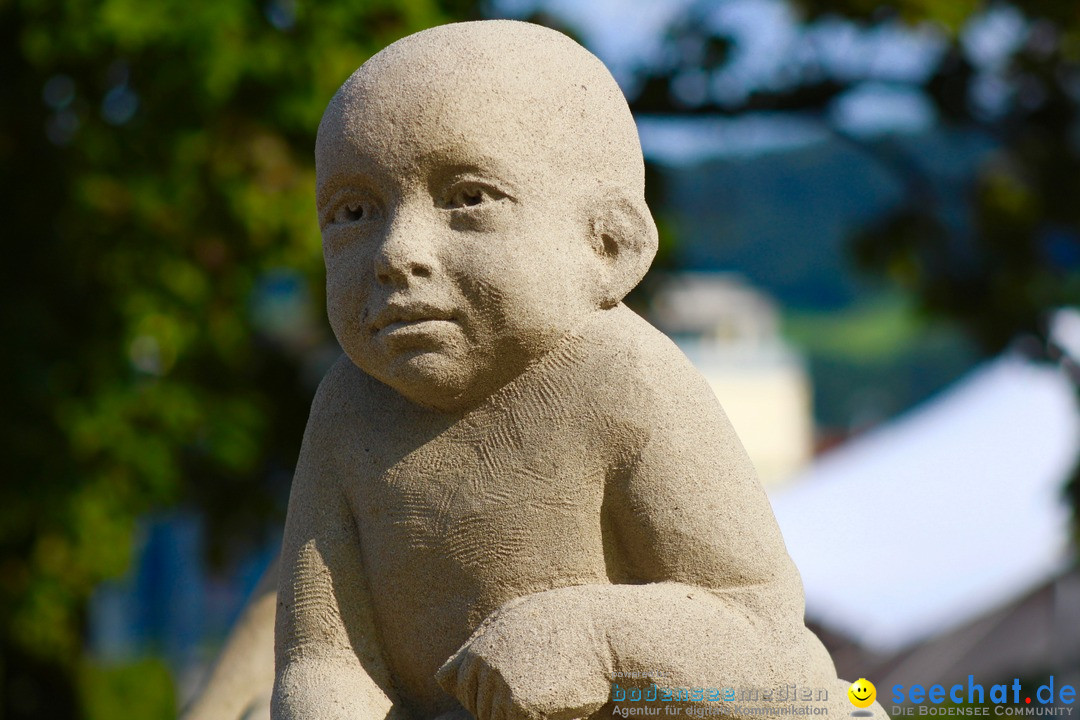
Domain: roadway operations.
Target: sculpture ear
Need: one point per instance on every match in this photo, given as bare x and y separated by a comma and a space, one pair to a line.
623, 235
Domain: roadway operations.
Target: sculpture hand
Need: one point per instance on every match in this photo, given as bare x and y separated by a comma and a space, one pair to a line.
532, 659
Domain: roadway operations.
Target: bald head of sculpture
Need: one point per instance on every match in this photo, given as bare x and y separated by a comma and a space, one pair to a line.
480, 192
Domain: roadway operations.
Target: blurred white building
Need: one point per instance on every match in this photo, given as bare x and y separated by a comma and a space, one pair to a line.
730, 331
938, 545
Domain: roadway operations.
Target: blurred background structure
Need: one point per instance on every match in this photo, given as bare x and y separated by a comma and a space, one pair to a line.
879, 204
731, 333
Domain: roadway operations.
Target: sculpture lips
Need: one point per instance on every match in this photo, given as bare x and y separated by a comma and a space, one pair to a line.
397, 316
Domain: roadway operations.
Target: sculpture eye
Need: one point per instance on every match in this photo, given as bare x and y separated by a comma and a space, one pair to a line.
468, 198
350, 212
470, 195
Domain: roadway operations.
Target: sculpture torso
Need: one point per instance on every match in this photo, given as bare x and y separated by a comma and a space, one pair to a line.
460, 514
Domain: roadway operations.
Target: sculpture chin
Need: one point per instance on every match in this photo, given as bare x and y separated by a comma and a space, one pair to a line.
430, 377
435, 363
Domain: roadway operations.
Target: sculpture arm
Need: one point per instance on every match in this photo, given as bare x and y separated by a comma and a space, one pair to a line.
693, 529
328, 662
243, 675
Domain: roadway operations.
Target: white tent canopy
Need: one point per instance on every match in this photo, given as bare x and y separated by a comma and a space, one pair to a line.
946, 513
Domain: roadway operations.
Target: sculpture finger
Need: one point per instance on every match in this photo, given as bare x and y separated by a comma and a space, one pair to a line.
447, 675
502, 706
467, 683
486, 688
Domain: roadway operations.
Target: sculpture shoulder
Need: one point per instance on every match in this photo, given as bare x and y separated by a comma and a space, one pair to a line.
645, 373
345, 390
342, 404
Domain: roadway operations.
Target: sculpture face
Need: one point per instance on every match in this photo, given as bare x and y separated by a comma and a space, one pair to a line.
454, 255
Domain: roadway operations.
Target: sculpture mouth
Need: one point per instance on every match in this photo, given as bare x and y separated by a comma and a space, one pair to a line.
419, 316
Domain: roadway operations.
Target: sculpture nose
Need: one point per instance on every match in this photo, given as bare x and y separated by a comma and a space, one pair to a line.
407, 250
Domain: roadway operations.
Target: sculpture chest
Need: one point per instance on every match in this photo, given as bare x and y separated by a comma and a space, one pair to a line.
494, 506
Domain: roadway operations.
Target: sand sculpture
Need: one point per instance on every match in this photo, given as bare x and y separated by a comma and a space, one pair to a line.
515, 498
239, 685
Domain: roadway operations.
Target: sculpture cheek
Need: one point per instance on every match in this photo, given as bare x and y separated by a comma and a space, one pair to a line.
346, 298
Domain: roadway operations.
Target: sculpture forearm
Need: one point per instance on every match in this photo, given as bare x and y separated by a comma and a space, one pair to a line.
559, 651
322, 689
686, 636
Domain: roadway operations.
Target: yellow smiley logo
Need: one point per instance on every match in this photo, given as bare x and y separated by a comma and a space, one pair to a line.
862, 693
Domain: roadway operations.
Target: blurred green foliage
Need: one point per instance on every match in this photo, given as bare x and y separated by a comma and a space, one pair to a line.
142, 689
1014, 254
156, 164
1001, 271
870, 332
